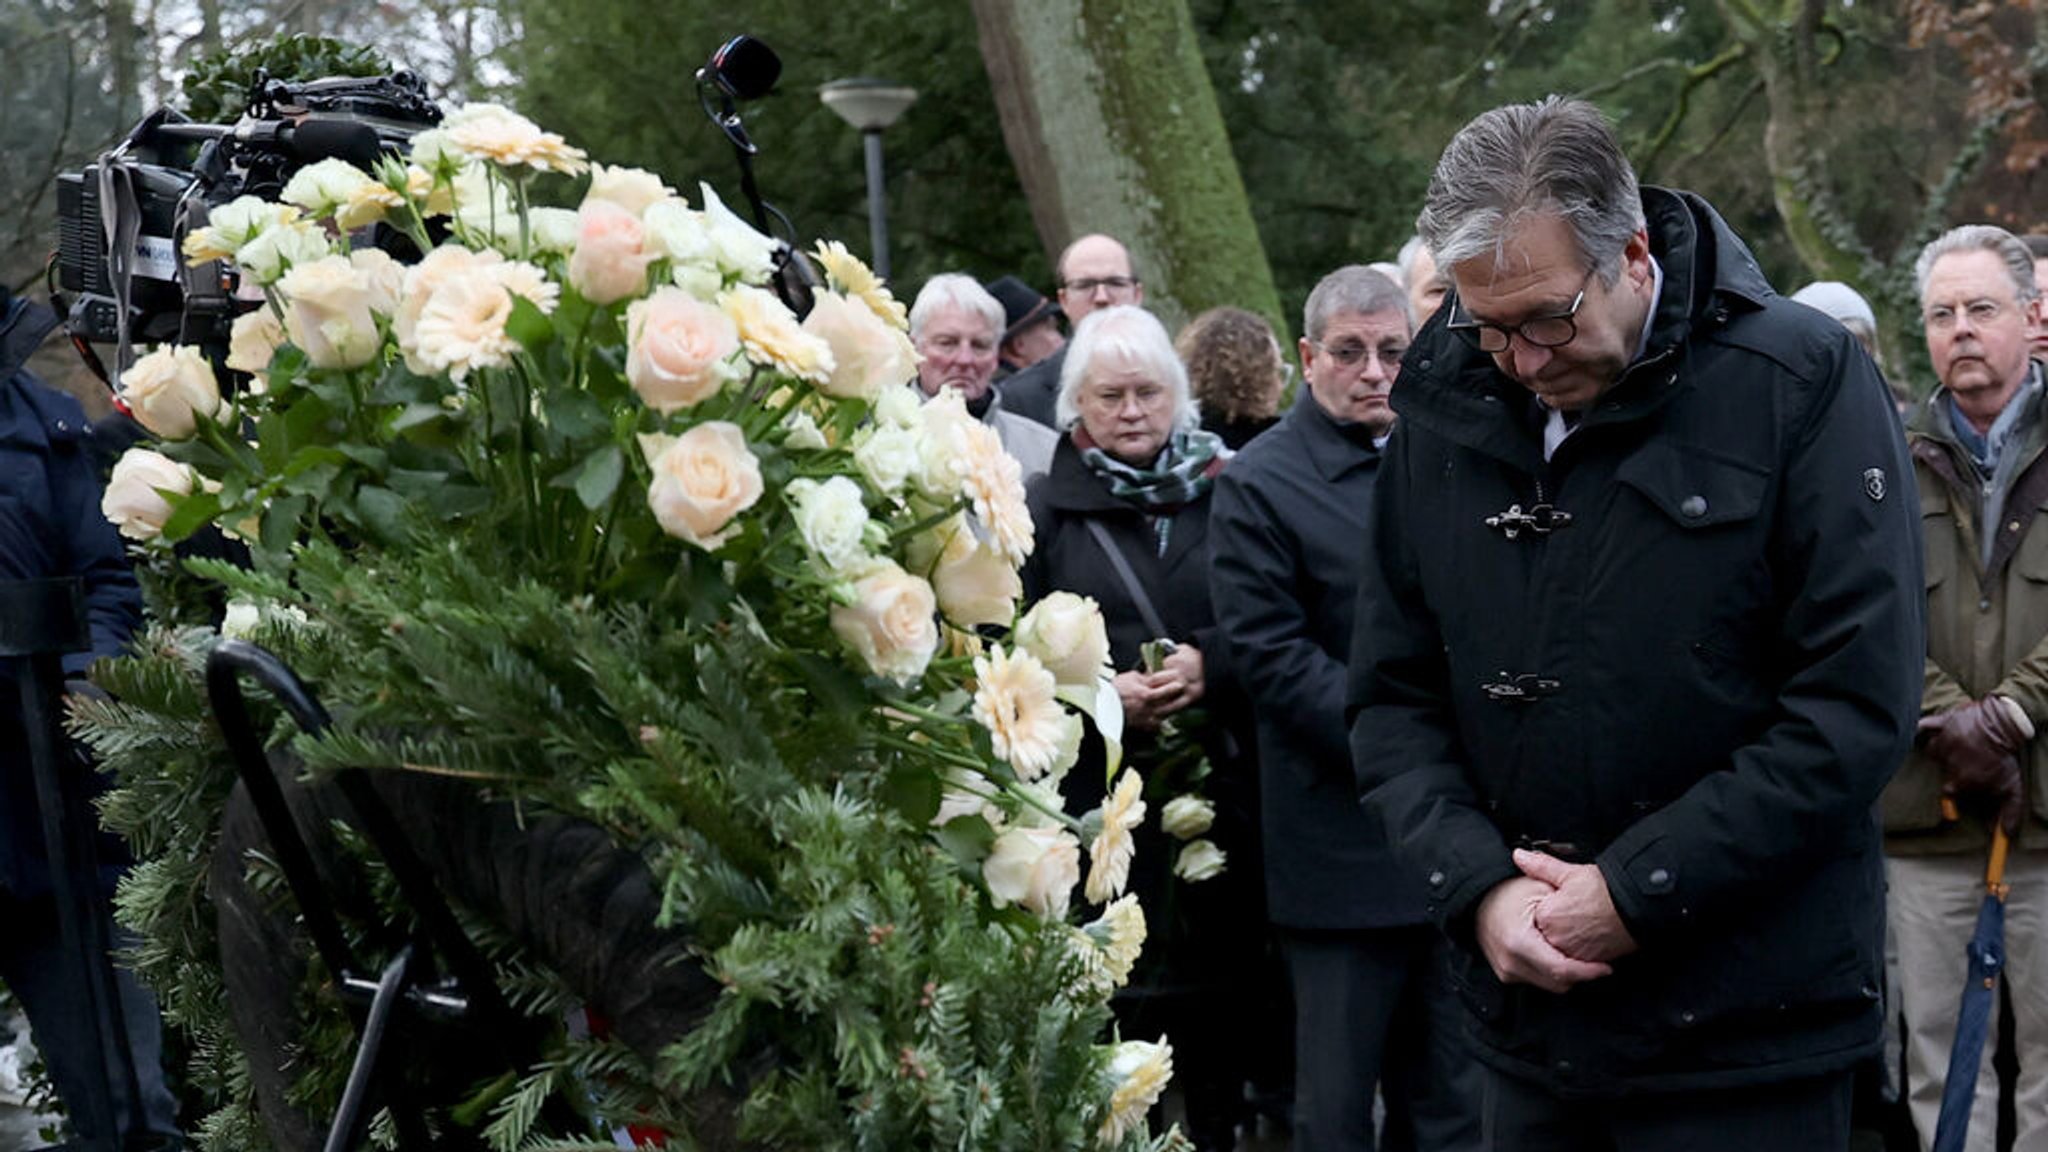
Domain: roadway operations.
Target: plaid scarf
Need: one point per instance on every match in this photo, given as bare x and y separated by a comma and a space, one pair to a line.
1179, 476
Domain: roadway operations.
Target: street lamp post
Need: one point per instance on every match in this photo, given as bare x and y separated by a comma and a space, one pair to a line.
871, 105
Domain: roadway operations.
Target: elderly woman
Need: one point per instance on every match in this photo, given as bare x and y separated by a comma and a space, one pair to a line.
1122, 516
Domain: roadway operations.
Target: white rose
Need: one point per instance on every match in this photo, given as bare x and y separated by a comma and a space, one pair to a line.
890, 623
240, 621
1034, 867
899, 407
741, 253
633, 189
325, 185
676, 233
553, 229
134, 500
383, 278
252, 341
328, 313
169, 389
887, 456
974, 584
1198, 860
831, 518
867, 354
233, 225
1186, 817
802, 434
280, 249
1067, 635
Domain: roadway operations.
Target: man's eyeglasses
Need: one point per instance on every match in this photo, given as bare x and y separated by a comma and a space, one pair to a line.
1349, 354
1087, 287
1553, 331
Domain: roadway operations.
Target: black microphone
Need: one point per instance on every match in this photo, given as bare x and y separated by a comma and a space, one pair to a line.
307, 140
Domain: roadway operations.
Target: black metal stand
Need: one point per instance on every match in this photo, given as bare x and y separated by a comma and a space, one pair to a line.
40, 621
468, 992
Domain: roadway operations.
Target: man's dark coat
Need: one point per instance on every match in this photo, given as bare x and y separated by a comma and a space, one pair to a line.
1701, 682
50, 525
1034, 391
1288, 531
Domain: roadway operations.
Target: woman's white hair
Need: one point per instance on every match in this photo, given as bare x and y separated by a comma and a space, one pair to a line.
1131, 336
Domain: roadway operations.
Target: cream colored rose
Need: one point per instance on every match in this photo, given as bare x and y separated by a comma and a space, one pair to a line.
900, 408
890, 623
633, 189
608, 265
134, 501
383, 278
280, 249
1067, 635
327, 313
168, 390
740, 252
974, 585
965, 793
253, 340
703, 480
324, 186
679, 350
886, 456
867, 355
772, 336
367, 205
1198, 860
1109, 856
1140, 1071
1186, 817
832, 518
1036, 868
233, 225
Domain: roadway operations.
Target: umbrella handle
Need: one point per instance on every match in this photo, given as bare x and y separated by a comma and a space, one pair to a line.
1994, 869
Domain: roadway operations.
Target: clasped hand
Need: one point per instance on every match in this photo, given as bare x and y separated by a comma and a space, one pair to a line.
1553, 926
1150, 697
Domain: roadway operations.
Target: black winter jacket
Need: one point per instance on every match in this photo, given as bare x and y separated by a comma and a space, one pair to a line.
1289, 531
1701, 682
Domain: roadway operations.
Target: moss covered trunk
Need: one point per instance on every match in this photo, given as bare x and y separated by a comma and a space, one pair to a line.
1113, 126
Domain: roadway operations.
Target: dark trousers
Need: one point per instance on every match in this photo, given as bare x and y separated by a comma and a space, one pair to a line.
1808, 1115
1372, 1009
50, 988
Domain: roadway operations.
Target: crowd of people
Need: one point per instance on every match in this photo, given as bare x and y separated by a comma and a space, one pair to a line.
1580, 717
1585, 737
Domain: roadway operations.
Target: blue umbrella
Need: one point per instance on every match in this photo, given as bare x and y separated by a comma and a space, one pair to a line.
1987, 960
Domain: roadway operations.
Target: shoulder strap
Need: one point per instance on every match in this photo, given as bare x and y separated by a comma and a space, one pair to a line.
1130, 578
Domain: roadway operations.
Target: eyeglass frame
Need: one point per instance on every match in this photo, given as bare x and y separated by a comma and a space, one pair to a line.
1364, 351
1472, 330
1089, 285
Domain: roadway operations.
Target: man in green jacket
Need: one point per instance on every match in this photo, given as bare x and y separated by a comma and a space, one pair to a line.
1977, 452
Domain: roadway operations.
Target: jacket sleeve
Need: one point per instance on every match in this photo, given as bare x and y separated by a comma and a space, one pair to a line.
1252, 582
2026, 684
1850, 672
1405, 747
95, 554
1941, 692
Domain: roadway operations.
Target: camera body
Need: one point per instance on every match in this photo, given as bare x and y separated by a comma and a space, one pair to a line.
122, 220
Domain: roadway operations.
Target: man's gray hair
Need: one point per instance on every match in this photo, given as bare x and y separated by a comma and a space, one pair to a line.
1406, 259
2010, 250
1133, 337
1352, 290
1558, 157
952, 289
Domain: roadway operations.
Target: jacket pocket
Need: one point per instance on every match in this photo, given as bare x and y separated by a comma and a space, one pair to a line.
1911, 801
1695, 487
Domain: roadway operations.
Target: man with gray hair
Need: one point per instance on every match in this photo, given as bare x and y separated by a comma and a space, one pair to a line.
1424, 280
956, 327
1977, 447
1370, 1007
1635, 655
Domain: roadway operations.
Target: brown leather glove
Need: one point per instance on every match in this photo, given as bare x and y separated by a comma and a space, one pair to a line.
1978, 746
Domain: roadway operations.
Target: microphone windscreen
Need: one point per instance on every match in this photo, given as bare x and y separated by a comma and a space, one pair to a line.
323, 138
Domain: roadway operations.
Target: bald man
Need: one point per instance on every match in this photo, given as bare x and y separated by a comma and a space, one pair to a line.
1094, 272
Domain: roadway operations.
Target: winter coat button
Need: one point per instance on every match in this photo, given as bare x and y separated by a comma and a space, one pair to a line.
1687, 1018
1693, 507
1436, 879
1659, 880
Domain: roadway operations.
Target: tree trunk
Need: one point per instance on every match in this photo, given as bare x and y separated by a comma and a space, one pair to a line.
1113, 126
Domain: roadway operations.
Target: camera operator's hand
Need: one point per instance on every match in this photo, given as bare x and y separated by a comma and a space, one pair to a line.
1978, 746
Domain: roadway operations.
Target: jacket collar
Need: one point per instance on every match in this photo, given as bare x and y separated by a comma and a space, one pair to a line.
1329, 449
1709, 276
24, 325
